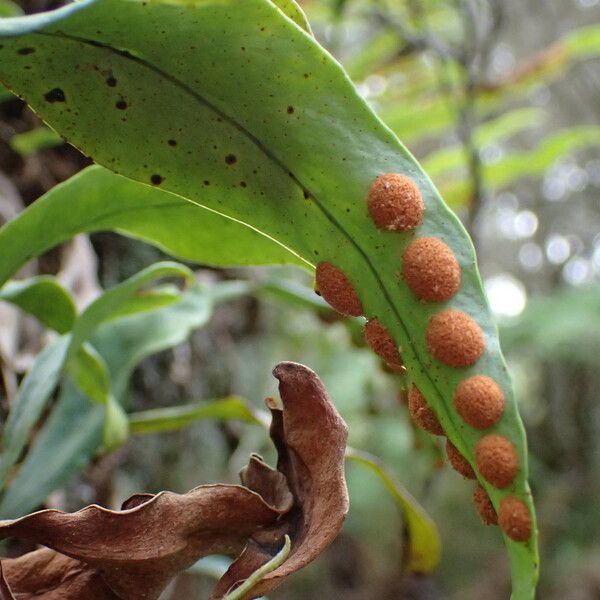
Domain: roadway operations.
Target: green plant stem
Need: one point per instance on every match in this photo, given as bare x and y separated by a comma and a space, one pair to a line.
258, 575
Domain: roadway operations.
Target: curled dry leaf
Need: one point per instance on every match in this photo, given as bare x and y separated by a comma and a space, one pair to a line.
310, 438
132, 554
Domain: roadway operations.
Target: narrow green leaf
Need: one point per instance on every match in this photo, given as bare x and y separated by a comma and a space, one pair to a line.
32, 397
44, 375
173, 418
90, 373
44, 298
70, 437
529, 163
113, 300
456, 158
536, 161
73, 432
583, 42
98, 200
116, 425
35, 140
148, 300
425, 546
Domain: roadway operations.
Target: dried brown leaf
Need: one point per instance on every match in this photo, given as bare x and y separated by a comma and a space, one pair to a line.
139, 550
132, 554
310, 437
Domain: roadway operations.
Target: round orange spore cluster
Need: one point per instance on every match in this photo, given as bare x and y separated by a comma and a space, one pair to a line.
395, 203
479, 401
422, 415
454, 338
484, 506
430, 269
337, 290
382, 343
497, 460
514, 518
458, 462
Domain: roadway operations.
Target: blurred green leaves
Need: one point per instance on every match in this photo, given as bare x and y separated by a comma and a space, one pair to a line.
422, 96
76, 428
514, 165
44, 298
85, 365
564, 326
176, 417
424, 551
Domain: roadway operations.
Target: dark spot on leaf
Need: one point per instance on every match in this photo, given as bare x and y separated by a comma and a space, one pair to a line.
290, 110
206, 182
121, 104
306, 195
25, 51
243, 48
172, 143
55, 95
243, 184
111, 81
305, 75
231, 159
156, 179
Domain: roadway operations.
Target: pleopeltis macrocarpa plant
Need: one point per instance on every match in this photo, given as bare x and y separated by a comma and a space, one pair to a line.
235, 108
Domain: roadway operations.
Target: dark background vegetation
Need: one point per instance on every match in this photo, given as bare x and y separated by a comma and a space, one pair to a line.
499, 100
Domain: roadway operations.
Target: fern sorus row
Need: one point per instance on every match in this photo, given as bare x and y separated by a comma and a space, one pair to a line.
431, 271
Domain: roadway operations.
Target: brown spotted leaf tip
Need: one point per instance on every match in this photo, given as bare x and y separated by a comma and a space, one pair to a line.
132, 554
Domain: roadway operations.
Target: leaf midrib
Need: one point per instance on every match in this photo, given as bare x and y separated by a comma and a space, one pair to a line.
252, 138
